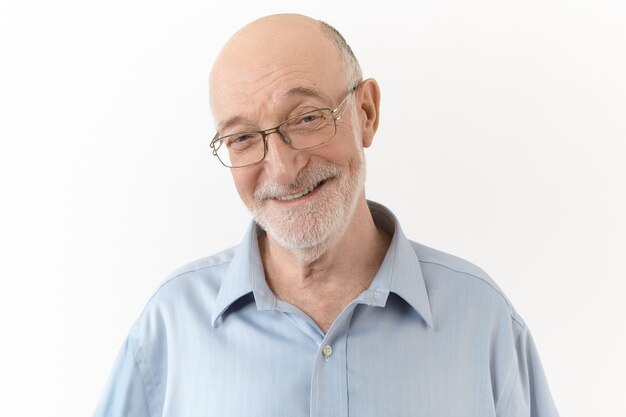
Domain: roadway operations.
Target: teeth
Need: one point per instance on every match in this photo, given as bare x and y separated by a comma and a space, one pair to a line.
297, 195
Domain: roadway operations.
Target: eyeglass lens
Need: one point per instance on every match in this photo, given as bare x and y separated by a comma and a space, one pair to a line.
302, 132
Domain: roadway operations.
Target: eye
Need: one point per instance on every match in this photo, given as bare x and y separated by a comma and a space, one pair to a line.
243, 141
241, 138
309, 118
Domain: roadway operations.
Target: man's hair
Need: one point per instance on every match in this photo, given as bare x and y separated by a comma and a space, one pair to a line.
351, 65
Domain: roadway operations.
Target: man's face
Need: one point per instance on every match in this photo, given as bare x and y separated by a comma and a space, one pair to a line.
304, 199
309, 214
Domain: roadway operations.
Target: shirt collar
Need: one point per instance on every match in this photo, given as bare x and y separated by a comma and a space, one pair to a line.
400, 273
243, 276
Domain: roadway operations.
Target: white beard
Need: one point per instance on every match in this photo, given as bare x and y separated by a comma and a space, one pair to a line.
311, 228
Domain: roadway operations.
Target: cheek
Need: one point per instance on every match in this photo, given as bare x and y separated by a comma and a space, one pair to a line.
346, 149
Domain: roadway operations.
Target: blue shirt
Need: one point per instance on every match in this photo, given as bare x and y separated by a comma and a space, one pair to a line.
432, 336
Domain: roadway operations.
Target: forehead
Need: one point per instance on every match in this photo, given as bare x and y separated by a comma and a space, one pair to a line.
271, 103
259, 74
301, 99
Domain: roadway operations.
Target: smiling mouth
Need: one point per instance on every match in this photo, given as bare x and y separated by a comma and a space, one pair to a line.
302, 193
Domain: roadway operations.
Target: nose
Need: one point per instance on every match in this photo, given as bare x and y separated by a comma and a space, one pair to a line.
282, 162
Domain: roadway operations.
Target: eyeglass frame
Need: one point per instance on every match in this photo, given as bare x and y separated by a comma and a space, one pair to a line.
276, 129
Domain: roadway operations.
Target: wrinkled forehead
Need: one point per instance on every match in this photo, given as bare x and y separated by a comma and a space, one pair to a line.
264, 93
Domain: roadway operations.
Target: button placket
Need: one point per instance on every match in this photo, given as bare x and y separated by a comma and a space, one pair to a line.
329, 387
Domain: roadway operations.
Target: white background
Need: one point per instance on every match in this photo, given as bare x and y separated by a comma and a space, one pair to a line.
501, 140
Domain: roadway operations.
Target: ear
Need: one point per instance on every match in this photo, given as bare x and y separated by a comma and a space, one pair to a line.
368, 96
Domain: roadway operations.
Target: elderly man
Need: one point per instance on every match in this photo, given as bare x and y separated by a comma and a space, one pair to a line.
325, 308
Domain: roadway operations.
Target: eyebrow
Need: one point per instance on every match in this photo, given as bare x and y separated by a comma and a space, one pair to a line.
304, 92
231, 122
293, 92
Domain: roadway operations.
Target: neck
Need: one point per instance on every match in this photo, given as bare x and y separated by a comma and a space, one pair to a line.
322, 287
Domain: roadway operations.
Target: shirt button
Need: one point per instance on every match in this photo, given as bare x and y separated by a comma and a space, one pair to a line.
327, 351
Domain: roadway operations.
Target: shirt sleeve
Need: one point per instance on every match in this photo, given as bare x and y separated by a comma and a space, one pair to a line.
530, 395
125, 393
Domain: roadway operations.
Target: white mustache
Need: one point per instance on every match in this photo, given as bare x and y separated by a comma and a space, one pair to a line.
308, 177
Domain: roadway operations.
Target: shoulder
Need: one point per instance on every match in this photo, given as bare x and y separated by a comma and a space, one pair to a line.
199, 269
453, 276
195, 283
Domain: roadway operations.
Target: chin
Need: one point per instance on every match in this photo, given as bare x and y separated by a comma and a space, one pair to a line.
307, 240
313, 227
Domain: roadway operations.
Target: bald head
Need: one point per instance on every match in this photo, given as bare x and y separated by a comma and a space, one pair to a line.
270, 46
